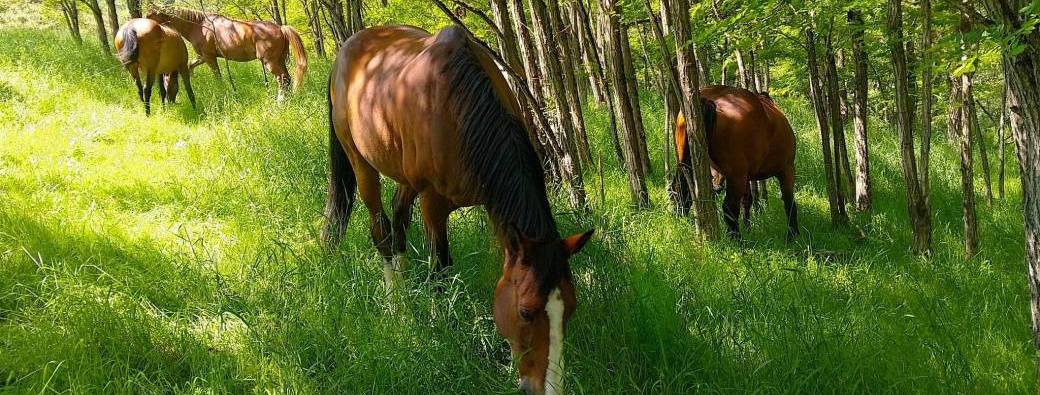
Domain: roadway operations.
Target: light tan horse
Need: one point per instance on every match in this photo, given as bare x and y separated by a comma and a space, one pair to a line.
434, 114
146, 48
215, 36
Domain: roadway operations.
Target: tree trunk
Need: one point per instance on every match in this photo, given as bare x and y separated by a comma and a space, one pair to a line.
134, 6
568, 59
953, 114
843, 175
276, 12
312, 12
337, 21
99, 21
637, 108
917, 207
1022, 72
688, 84
570, 161
507, 44
838, 215
589, 52
859, 108
703, 64
71, 14
614, 59
980, 138
113, 17
971, 236
926, 98
1001, 138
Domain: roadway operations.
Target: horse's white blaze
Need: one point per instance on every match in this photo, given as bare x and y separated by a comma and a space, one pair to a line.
554, 374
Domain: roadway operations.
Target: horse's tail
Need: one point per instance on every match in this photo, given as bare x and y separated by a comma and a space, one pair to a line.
710, 114
128, 53
299, 56
342, 184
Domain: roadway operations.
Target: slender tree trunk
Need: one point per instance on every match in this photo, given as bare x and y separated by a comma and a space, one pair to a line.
926, 98
568, 59
917, 206
971, 236
312, 12
688, 84
614, 58
838, 215
589, 52
1001, 138
637, 108
570, 162
980, 138
507, 44
71, 13
843, 175
113, 17
134, 6
276, 12
703, 64
953, 115
99, 21
1022, 72
864, 191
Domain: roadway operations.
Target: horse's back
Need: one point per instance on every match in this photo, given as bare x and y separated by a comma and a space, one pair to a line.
751, 135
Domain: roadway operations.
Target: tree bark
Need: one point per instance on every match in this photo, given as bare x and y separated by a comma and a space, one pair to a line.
313, 13
568, 59
971, 236
1001, 138
1023, 79
1022, 73
980, 138
688, 84
838, 215
614, 59
134, 6
589, 52
917, 207
637, 108
113, 17
926, 98
99, 20
71, 13
864, 193
843, 175
570, 161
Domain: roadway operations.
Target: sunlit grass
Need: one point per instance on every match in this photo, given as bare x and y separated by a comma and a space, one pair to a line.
179, 251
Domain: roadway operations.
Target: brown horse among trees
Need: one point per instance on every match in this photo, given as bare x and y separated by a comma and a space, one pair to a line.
434, 114
147, 48
749, 139
215, 36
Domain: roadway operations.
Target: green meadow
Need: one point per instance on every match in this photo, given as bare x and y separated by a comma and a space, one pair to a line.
179, 253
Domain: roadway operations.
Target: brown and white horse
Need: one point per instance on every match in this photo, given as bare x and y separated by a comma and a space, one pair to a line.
749, 139
433, 113
215, 36
148, 49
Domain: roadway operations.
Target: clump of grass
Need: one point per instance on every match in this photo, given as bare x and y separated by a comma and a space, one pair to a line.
178, 253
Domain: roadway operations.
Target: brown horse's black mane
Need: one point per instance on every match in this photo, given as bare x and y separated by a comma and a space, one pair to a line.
500, 157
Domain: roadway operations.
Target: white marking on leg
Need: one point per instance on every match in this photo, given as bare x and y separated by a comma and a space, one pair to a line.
392, 273
554, 374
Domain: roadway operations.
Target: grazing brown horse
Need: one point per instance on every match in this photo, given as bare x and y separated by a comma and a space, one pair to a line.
749, 139
433, 113
215, 36
146, 48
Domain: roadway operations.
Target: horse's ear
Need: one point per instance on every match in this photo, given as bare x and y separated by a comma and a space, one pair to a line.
573, 243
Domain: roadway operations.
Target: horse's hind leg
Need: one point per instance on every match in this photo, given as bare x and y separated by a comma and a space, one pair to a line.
171, 87
404, 197
186, 73
379, 225
736, 192
281, 75
435, 212
787, 193
162, 89
147, 95
746, 202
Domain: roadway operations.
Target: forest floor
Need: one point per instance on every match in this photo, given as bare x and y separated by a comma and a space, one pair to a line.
179, 252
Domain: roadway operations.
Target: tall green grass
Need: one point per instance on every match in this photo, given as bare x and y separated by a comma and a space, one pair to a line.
178, 253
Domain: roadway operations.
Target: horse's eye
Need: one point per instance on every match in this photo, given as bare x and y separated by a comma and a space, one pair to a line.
527, 315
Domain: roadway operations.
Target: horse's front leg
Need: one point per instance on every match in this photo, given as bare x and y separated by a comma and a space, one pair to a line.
435, 212
146, 97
